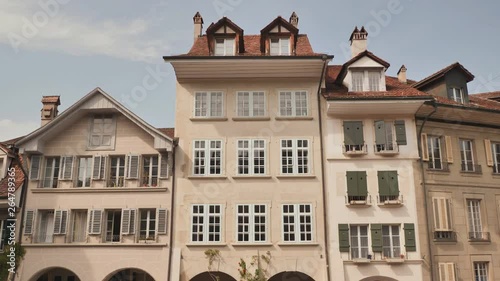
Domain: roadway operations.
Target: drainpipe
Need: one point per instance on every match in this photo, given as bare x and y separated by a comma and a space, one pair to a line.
427, 215
172, 200
325, 213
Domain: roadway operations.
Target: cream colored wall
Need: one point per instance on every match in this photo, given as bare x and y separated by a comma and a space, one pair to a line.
230, 190
365, 63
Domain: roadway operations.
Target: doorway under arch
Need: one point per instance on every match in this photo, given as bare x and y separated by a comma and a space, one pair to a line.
55, 274
291, 276
213, 276
130, 274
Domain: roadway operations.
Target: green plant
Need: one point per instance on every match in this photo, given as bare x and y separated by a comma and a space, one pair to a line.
5, 267
212, 255
260, 273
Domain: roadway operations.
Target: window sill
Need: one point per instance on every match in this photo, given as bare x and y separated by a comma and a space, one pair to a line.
391, 204
89, 190
295, 176
300, 244
361, 261
207, 177
208, 119
255, 244
437, 171
294, 118
479, 242
471, 174
206, 244
117, 244
259, 118
252, 177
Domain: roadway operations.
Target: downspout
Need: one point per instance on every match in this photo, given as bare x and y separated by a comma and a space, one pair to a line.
427, 215
172, 200
325, 213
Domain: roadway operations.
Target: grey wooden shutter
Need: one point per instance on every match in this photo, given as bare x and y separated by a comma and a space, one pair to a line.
164, 165
376, 230
125, 221
353, 133
383, 183
35, 168
393, 182
29, 222
362, 183
380, 136
60, 221
410, 243
132, 221
95, 218
399, 125
344, 238
352, 183
66, 170
162, 221
133, 166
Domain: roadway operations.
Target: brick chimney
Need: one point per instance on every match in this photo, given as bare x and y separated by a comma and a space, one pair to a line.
198, 25
402, 74
358, 41
49, 109
294, 20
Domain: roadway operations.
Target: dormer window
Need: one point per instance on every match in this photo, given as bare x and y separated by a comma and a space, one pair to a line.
365, 80
280, 46
224, 47
458, 95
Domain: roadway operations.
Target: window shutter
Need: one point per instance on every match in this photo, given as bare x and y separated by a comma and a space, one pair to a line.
400, 127
164, 165
393, 182
424, 147
344, 238
362, 183
410, 243
60, 221
99, 167
95, 218
125, 221
447, 271
133, 166
353, 133
162, 221
35, 167
29, 222
449, 149
380, 137
376, 230
383, 183
66, 169
489, 152
132, 220
442, 213
352, 183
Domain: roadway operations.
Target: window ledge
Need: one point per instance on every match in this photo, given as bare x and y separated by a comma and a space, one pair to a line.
255, 244
252, 177
437, 171
70, 245
89, 190
259, 118
300, 244
361, 261
209, 119
206, 244
479, 242
496, 175
295, 176
207, 177
394, 260
390, 204
294, 118
471, 174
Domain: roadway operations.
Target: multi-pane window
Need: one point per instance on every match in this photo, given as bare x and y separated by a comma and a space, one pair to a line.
474, 218
357, 81
374, 80
113, 225
147, 224
149, 170
84, 171
45, 228
78, 224
102, 132
208, 104
206, 223
251, 157
280, 46
251, 223
4, 234
391, 243
295, 157
117, 171
51, 173
496, 157
224, 47
458, 95
466, 155
251, 104
207, 157
365, 80
297, 223
293, 103
480, 271
435, 156
359, 241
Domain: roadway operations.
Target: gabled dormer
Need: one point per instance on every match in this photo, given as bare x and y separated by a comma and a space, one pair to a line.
225, 38
279, 38
449, 82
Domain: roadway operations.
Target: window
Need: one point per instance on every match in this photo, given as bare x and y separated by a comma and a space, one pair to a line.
359, 241
365, 81
442, 218
357, 81
149, 170
356, 186
280, 46
117, 171
102, 132
79, 221
391, 244
374, 80
435, 156
206, 224
496, 157
447, 271
480, 271
467, 156
294, 156
207, 157
474, 219
251, 223
4, 234
293, 103
458, 95
51, 175
45, 228
353, 136
224, 47
208, 104
384, 137
297, 223
388, 186
251, 104
147, 228
113, 225
99, 167
84, 172
251, 157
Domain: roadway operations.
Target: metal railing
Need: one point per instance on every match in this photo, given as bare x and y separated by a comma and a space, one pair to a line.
358, 200
438, 166
42, 238
355, 148
446, 236
471, 168
389, 148
479, 236
112, 238
390, 199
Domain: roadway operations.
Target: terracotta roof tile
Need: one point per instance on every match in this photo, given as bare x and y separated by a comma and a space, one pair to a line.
19, 179
170, 132
490, 95
11, 141
51, 99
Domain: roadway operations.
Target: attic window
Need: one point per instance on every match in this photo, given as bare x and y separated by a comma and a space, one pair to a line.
279, 46
102, 132
458, 95
366, 80
224, 47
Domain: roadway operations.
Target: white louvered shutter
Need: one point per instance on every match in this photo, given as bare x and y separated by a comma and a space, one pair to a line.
95, 218
442, 214
164, 167
66, 170
36, 160
447, 271
29, 222
133, 166
162, 221
60, 221
125, 221
132, 221
449, 149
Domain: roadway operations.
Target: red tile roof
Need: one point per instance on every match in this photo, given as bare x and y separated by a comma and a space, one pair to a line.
442, 72
170, 132
51, 99
490, 95
11, 141
18, 182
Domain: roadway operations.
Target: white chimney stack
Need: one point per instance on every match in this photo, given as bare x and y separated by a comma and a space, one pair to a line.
198, 25
294, 20
358, 41
402, 74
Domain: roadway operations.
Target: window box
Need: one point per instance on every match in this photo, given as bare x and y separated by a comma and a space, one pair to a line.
355, 149
390, 200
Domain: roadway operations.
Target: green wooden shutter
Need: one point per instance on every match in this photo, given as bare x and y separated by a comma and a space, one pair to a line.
392, 177
352, 183
383, 183
344, 237
380, 136
376, 230
400, 132
353, 133
410, 243
362, 185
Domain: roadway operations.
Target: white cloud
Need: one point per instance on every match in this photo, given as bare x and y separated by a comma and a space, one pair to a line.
33, 26
12, 129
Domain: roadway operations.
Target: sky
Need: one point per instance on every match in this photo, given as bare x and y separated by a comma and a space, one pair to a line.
70, 47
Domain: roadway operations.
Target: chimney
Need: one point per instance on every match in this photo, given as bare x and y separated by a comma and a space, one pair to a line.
294, 20
358, 41
198, 25
402, 74
49, 108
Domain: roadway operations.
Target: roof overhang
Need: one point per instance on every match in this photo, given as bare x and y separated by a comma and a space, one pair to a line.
379, 106
460, 115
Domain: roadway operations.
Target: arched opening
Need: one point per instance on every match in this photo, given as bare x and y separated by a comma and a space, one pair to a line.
131, 274
378, 278
291, 276
213, 276
56, 274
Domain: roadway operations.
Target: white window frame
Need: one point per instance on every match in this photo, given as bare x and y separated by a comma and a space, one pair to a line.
296, 214
149, 223
101, 135
495, 147
54, 165
150, 174
86, 172
203, 107
295, 157
392, 247
366, 83
481, 271
206, 223
251, 103
47, 229
280, 42
106, 214
228, 46
463, 155
207, 157
251, 150
252, 215
120, 164
289, 108
458, 95
359, 238
430, 149
474, 220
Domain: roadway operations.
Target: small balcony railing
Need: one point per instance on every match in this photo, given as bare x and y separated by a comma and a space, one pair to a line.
479, 236
386, 149
438, 166
445, 236
116, 182
43, 238
355, 149
390, 200
471, 168
357, 200
112, 238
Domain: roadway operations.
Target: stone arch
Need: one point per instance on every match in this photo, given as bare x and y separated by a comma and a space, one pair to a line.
129, 274
212, 275
50, 274
291, 276
378, 278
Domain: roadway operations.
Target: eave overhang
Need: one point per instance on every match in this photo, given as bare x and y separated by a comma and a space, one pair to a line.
374, 106
461, 115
